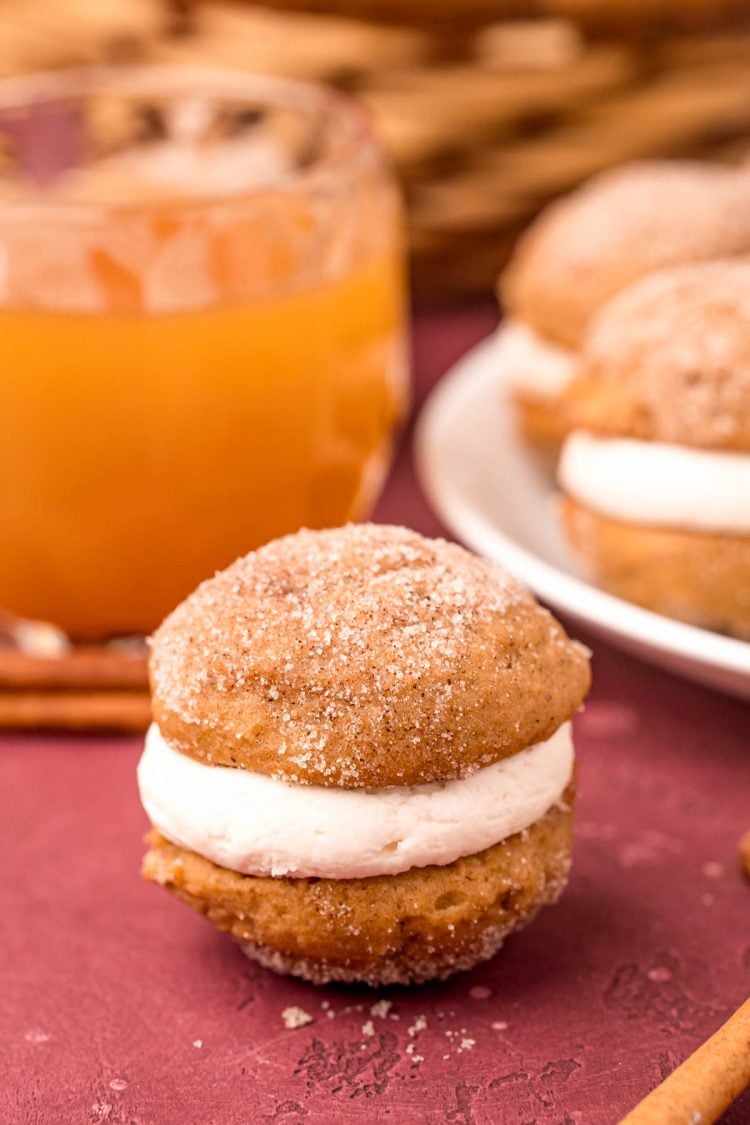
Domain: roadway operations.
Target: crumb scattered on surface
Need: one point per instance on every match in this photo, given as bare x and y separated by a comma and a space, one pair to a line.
499, 1025
295, 1017
368, 1029
411, 1050
36, 1035
419, 1024
381, 1009
198, 1043
467, 1044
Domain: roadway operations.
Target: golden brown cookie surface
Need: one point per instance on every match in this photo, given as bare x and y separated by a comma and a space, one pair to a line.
669, 360
620, 226
699, 578
427, 922
542, 420
362, 656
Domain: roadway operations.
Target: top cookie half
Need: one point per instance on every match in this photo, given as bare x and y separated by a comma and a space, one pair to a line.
615, 229
668, 360
365, 656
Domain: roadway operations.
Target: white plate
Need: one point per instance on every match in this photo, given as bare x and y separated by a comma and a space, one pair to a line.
491, 491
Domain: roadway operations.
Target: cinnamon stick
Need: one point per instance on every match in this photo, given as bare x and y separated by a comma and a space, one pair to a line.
745, 854
699, 1090
80, 667
127, 711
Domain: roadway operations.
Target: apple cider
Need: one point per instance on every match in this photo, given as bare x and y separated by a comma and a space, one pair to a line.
201, 334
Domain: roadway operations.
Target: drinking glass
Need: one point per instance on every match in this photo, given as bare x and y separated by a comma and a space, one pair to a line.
202, 336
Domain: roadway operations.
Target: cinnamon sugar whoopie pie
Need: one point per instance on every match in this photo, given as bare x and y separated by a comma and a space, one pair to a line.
656, 475
361, 763
590, 245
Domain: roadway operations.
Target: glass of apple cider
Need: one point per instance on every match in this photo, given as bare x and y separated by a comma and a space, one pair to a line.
201, 332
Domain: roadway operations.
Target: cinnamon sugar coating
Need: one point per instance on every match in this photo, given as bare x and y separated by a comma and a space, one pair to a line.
362, 656
699, 578
668, 360
618, 227
426, 923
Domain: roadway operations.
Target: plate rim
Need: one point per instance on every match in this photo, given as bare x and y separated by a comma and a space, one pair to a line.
579, 598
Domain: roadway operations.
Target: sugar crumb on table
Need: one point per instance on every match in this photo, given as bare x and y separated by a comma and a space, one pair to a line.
381, 1009
295, 1017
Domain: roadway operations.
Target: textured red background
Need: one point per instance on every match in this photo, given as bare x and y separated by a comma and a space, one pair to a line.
118, 1005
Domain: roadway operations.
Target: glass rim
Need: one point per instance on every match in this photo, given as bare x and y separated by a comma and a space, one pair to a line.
357, 147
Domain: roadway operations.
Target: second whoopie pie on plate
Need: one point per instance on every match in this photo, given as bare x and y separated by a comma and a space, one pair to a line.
588, 246
656, 475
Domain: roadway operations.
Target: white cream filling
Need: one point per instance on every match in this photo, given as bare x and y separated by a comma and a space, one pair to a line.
259, 825
660, 485
530, 364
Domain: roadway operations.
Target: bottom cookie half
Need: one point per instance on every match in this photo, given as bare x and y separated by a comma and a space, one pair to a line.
425, 923
703, 579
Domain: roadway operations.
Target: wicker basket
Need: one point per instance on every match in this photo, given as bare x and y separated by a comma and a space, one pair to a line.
489, 108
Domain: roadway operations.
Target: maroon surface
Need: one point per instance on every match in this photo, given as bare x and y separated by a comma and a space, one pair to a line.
118, 1005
